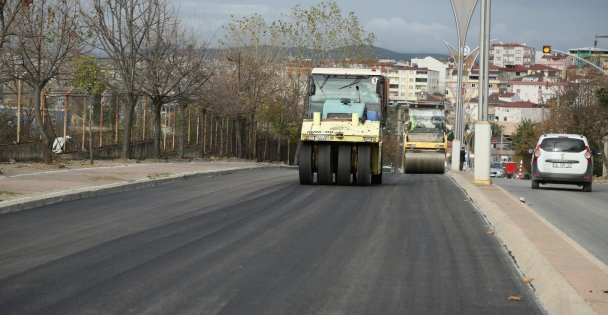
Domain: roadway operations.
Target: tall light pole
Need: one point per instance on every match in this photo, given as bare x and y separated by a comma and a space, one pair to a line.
483, 130
463, 11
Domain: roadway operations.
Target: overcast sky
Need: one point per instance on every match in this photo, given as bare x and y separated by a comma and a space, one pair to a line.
413, 26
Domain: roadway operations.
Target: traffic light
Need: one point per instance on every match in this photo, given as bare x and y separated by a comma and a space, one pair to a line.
546, 49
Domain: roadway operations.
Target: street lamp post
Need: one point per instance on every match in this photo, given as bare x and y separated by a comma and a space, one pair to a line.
483, 134
463, 11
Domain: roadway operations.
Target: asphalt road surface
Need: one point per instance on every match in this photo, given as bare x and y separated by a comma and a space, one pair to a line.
259, 243
580, 215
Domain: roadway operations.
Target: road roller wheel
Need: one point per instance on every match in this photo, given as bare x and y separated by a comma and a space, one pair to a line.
344, 164
324, 171
305, 164
424, 162
364, 177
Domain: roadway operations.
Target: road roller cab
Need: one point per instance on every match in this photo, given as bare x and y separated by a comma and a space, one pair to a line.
341, 139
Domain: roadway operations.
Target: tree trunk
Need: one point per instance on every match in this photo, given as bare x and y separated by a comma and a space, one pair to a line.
279, 157
90, 99
126, 139
253, 138
48, 134
266, 149
222, 135
239, 138
202, 133
156, 107
181, 131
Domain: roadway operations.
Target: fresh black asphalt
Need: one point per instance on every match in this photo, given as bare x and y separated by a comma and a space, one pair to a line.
259, 243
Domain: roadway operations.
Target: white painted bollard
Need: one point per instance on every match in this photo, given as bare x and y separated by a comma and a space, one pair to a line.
483, 137
455, 155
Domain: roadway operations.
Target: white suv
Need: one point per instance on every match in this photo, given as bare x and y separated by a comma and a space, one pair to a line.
562, 159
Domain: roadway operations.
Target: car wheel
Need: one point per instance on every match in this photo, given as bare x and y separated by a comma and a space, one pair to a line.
534, 184
587, 187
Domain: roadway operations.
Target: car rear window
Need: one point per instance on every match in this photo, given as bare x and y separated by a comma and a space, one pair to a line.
563, 145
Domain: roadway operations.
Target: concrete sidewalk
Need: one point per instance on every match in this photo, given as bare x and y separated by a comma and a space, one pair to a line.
28, 187
567, 278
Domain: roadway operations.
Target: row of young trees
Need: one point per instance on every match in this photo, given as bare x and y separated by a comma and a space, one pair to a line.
256, 82
580, 108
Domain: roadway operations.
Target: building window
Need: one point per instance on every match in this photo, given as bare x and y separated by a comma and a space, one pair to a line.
505, 118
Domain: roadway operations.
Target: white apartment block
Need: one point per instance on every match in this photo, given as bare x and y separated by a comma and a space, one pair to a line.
502, 55
509, 115
536, 89
435, 65
410, 83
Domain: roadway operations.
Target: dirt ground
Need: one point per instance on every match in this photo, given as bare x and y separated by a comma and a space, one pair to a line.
18, 168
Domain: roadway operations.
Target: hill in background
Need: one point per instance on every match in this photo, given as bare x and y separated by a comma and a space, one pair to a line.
389, 54
380, 53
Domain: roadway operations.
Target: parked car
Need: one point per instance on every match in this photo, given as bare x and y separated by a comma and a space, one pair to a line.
496, 169
562, 159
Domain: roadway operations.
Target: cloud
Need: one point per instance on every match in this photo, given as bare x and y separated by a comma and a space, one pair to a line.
401, 36
196, 7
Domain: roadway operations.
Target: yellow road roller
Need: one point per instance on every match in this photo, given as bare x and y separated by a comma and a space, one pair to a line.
425, 140
341, 137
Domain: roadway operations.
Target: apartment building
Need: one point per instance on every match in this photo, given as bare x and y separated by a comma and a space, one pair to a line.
470, 83
409, 83
597, 56
557, 61
536, 88
509, 115
503, 55
435, 65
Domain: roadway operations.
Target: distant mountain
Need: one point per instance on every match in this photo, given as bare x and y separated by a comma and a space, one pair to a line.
383, 53
379, 52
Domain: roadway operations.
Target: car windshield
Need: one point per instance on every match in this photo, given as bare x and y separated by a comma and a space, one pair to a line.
495, 165
563, 145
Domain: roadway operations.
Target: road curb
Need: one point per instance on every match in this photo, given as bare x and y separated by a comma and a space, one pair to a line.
553, 291
95, 191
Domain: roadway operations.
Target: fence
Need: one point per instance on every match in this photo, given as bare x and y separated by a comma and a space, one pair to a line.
205, 132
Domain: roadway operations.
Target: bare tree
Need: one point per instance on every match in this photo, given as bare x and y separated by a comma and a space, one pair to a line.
122, 28
8, 14
174, 69
252, 48
322, 33
581, 107
49, 35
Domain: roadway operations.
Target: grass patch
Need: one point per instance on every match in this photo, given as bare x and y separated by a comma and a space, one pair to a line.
8, 193
104, 177
158, 175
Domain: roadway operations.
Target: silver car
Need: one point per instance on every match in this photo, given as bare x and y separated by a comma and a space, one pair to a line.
496, 169
562, 159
